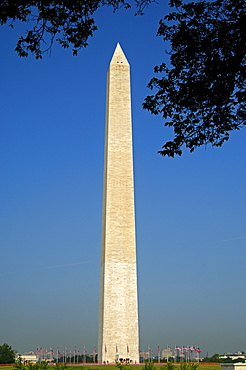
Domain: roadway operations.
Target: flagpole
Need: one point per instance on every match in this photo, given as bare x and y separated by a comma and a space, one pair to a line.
94, 354
84, 354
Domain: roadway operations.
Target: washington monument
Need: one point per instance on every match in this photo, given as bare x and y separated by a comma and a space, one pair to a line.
118, 317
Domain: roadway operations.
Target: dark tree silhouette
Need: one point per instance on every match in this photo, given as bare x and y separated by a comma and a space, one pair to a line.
202, 95
7, 355
69, 22
200, 92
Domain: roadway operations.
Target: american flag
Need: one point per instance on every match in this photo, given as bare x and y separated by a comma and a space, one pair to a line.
51, 351
105, 348
127, 348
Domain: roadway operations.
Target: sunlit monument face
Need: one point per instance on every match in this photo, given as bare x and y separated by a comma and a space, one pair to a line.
118, 317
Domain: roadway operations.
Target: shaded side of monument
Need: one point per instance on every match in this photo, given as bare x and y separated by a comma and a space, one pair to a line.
118, 336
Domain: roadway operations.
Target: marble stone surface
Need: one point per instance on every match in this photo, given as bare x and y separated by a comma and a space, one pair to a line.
118, 317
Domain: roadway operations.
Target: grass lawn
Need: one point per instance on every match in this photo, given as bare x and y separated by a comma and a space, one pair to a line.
129, 367
138, 367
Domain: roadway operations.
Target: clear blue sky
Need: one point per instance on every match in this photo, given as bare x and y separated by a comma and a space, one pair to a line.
190, 211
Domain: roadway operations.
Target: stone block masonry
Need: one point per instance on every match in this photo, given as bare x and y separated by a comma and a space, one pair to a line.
118, 317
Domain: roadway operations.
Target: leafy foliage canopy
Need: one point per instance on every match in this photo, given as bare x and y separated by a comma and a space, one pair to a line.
202, 95
7, 355
69, 22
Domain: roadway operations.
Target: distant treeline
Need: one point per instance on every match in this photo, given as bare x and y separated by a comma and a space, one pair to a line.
216, 358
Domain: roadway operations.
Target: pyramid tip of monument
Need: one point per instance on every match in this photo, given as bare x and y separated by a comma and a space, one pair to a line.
119, 56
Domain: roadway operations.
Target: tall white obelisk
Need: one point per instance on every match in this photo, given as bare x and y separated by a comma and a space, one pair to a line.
118, 318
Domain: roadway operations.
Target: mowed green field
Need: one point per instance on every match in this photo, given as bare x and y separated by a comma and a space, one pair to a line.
129, 367
137, 367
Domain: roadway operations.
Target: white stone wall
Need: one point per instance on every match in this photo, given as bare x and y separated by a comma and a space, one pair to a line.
118, 318
234, 366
